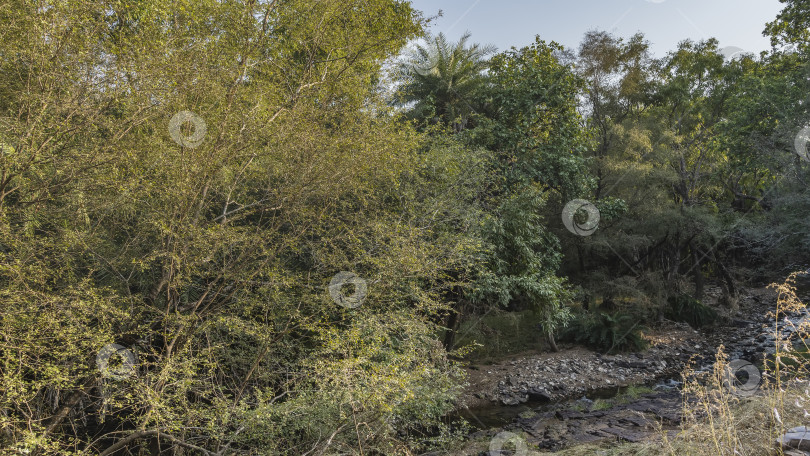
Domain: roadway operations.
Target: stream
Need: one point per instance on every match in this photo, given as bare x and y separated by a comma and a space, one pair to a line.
609, 413
499, 415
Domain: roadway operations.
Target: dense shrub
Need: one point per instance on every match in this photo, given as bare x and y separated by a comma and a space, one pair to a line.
687, 309
606, 332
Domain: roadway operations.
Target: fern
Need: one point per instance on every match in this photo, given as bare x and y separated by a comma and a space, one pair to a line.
687, 309
606, 332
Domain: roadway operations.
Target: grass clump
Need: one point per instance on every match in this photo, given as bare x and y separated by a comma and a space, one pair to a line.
601, 404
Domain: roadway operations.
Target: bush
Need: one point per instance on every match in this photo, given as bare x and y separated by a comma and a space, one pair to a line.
500, 333
606, 332
687, 309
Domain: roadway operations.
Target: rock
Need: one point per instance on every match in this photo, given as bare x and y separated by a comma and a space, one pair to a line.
539, 394
632, 364
797, 438
570, 415
624, 434
585, 438
635, 420
585, 403
795, 453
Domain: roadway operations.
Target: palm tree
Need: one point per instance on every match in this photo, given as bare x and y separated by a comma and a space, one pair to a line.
441, 79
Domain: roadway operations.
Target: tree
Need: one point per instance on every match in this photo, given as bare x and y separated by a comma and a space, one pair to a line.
657, 149
183, 181
536, 138
792, 24
442, 80
620, 81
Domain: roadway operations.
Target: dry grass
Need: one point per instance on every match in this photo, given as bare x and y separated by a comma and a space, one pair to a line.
726, 420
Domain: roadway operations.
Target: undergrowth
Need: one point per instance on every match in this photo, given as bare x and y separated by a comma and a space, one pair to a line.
687, 309
500, 334
606, 332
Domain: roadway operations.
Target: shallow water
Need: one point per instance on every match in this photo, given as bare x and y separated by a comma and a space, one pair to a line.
498, 415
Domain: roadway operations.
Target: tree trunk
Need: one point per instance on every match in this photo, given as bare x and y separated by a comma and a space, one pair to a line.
675, 257
581, 259
729, 289
698, 274
450, 332
552, 342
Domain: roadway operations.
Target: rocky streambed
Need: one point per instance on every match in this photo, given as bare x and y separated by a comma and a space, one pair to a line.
641, 418
558, 399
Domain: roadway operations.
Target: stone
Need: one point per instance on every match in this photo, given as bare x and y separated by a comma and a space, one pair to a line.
795, 453
624, 434
570, 415
539, 394
637, 421
797, 438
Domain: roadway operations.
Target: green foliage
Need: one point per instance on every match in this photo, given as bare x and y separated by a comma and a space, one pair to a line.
522, 257
500, 333
533, 124
534, 134
443, 80
211, 261
606, 332
687, 309
792, 25
385, 371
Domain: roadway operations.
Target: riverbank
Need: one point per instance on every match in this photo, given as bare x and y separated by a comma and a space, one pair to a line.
549, 397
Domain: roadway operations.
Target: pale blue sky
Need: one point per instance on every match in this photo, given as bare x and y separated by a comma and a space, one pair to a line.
509, 23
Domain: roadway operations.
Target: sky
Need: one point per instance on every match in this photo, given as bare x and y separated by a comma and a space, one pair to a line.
507, 23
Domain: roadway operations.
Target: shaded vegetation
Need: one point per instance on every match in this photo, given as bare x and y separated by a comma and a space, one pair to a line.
606, 332
689, 310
